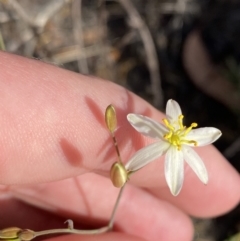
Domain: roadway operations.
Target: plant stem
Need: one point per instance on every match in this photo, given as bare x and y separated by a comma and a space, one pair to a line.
110, 224
68, 230
72, 230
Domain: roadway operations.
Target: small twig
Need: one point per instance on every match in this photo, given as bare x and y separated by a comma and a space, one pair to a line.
181, 6
126, 39
78, 35
41, 18
2, 45
152, 60
103, 44
152, 16
170, 8
21, 13
29, 33
49, 11
69, 54
35, 25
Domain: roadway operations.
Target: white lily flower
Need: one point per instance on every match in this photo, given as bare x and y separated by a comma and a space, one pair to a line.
175, 140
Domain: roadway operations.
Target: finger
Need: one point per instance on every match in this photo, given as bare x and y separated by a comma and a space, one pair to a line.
15, 213
52, 122
102, 237
217, 197
91, 198
52, 127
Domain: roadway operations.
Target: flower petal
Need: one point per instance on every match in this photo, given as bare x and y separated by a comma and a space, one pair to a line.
173, 110
174, 170
146, 155
147, 126
204, 136
196, 163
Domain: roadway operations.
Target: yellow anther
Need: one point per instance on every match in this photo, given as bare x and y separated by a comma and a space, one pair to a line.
190, 142
190, 128
194, 124
193, 142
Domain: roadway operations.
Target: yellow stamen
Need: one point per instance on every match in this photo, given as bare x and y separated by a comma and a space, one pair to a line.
167, 124
190, 142
180, 121
168, 135
175, 136
190, 128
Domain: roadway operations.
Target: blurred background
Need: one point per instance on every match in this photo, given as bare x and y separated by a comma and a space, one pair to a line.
188, 50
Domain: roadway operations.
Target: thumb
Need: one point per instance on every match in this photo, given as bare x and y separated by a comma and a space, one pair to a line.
52, 122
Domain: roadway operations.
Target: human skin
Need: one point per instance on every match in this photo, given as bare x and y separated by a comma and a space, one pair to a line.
56, 153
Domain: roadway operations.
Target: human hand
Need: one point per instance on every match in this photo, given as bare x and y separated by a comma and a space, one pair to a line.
53, 132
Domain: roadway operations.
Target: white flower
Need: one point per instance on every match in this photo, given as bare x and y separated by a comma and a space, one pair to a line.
175, 140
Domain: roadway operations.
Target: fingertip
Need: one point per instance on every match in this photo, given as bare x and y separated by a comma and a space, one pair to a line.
156, 218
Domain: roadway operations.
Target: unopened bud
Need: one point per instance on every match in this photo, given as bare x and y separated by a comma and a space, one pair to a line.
110, 118
10, 233
118, 174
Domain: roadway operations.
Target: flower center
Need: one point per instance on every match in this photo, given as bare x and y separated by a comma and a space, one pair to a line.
177, 132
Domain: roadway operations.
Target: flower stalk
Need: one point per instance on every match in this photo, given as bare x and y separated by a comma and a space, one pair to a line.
17, 234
